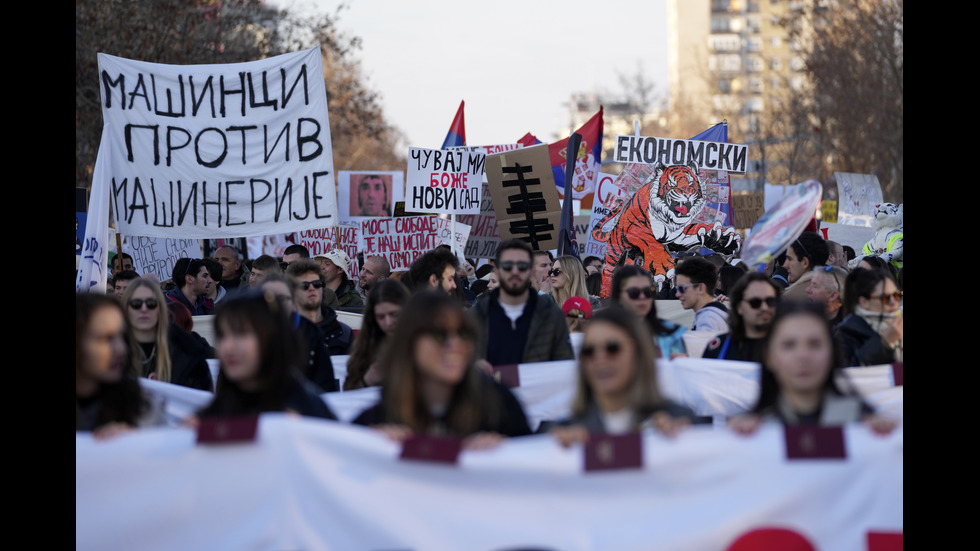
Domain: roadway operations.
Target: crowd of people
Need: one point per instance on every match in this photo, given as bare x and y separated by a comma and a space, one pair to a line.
432, 336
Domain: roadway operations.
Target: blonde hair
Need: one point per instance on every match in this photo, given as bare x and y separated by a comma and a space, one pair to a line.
574, 287
161, 363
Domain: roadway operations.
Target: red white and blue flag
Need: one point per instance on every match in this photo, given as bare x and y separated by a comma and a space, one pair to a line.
456, 136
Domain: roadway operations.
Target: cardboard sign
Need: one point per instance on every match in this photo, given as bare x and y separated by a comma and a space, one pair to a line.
215, 151
364, 194
445, 182
748, 208
709, 155
524, 196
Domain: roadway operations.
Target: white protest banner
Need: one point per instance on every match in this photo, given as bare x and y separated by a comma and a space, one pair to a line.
710, 155
210, 151
157, 255
400, 240
444, 226
327, 485
444, 182
323, 240
93, 265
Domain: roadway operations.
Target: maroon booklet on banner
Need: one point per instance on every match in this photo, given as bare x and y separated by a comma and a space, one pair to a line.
898, 374
221, 430
507, 375
606, 452
438, 449
814, 442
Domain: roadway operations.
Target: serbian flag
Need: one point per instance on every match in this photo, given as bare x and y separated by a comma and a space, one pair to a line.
586, 160
719, 133
457, 132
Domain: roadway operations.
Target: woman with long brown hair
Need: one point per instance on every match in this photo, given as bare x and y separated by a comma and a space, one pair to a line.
432, 384
384, 306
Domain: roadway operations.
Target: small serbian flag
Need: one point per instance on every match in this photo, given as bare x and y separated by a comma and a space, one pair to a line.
457, 132
587, 159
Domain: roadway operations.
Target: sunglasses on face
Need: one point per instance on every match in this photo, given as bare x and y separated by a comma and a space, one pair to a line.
510, 265
893, 297
683, 288
306, 284
756, 302
635, 292
612, 348
554, 273
137, 303
441, 336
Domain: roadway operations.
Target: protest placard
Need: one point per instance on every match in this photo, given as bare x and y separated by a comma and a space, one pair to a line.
667, 151
323, 240
209, 151
157, 255
858, 194
748, 207
444, 182
368, 193
524, 196
445, 229
483, 239
400, 240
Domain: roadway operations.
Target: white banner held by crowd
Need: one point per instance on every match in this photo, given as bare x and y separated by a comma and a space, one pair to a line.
208, 151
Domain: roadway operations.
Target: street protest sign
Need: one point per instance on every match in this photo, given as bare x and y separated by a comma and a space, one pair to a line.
444, 182
782, 223
524, 196
320, 241
213, 151
859, 195
445, 228
367, 193
669, 151
157, 255
483, 239
748, 207
403, 239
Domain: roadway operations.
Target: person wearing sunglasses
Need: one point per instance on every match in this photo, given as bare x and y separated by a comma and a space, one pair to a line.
617, 382
163, 351
827, 289
873, 327
753, 302
432, 384
517, 324
633, 288
315, 302
695, 280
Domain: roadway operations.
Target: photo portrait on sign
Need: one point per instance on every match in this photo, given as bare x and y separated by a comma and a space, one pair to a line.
369, 194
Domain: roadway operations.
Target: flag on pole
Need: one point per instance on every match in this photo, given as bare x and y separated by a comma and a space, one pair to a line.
92, 268
457, 132
587, 158
567, 245
719, 133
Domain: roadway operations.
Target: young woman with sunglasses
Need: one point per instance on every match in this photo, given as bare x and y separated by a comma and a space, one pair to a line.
163, 350
568, 280
384, 306
261, 360
108, 399
432, 384
617, 382
633, 288
873, 327
801, 364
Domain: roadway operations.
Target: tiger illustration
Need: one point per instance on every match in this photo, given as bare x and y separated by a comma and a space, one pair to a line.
660, 215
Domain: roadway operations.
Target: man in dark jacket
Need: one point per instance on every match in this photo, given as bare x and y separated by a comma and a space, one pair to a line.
517, 325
